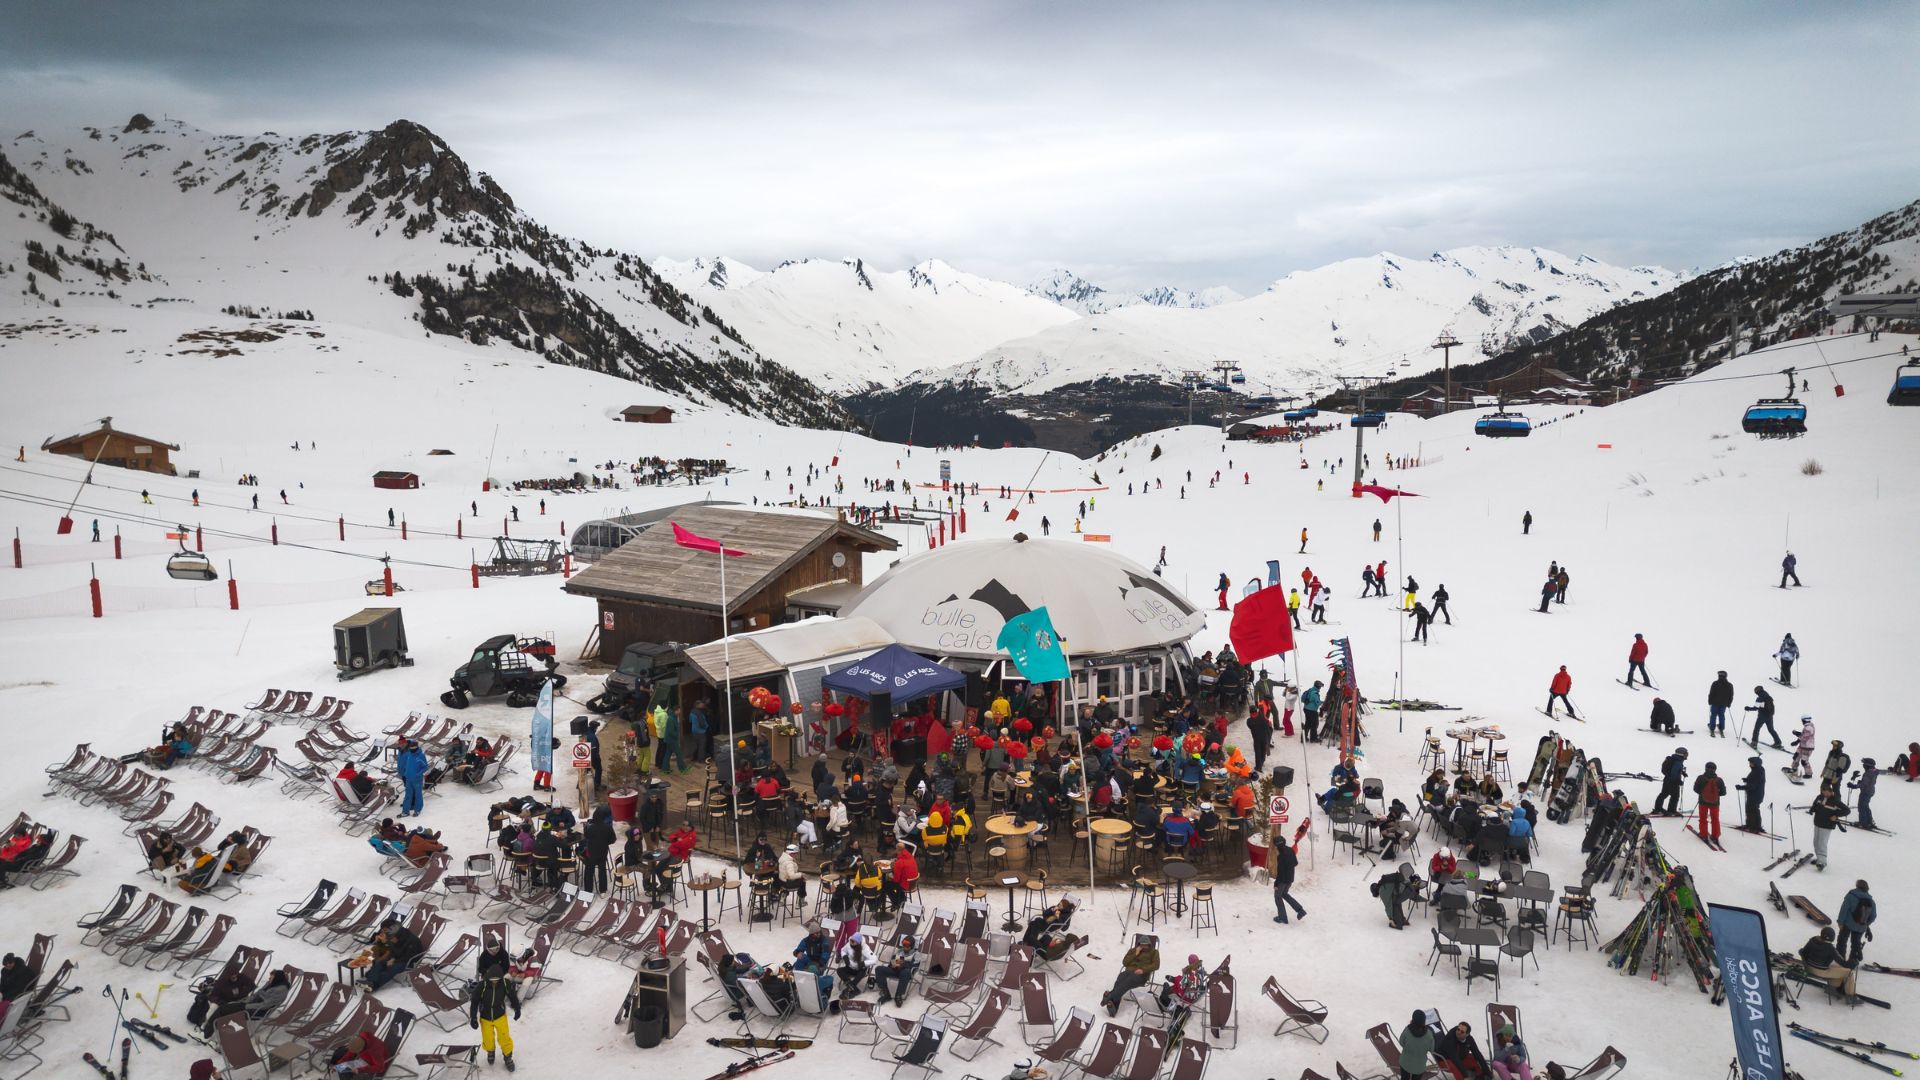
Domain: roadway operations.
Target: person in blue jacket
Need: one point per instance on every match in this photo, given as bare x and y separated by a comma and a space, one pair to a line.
1310, 710
1857, 913
413, 775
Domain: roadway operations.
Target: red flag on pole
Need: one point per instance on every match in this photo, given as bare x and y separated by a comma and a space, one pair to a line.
1261, 626
699, 543
1386, 493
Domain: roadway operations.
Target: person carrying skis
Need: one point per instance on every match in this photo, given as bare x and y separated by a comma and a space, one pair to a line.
1828, 812
1421, 619
1869, 776
1223, 586
1293, 606
1376, 530
1755, 785
1661, 719
1803, 749
1672, 772
1561, 686
1719, 696
1856, 917
1763, 706
1710, 788
1836, 766
1440, 599
1546, 595
1788, 655
1637, 660
1788, 570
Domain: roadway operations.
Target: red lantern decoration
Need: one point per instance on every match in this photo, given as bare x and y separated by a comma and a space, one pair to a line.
1023, 725
796, 708
1047, 731
982, 743
1133, 742
1103, 741
1163, 743
1018, 751
771, 703
834, 708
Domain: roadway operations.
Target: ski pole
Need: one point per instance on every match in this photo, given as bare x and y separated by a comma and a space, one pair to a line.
1771, 835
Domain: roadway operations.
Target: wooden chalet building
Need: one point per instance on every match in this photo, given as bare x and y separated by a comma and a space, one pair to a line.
647, 414
121, 449
652, 589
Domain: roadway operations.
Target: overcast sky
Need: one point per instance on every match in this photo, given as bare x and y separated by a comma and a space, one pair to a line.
1186, 143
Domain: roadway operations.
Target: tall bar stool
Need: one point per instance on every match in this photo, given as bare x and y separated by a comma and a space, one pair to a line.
1433, 755
693, 805
1037, 899
729, 891
1575, 919
1201, 915
1499, 767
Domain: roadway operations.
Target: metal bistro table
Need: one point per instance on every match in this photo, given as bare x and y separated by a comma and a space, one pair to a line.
1179, 870
704, 886
1013, 880
1477, 938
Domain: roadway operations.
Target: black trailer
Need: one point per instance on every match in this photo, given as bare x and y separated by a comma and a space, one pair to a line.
369, 640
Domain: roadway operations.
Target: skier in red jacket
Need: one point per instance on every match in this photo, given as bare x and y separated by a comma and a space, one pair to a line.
1637, 660
1561, 686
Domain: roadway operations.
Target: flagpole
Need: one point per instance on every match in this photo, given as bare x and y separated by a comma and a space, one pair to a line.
1072, 715
726, 663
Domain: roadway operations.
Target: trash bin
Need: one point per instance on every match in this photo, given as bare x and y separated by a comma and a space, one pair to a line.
1257, 849
648, 1024
1282, 776
625, 804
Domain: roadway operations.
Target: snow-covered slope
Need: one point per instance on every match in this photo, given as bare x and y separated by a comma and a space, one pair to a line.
1703, 515
1358, 317
386, 230
850, 326
1068, 289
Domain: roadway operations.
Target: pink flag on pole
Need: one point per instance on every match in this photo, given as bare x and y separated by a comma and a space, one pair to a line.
699, 543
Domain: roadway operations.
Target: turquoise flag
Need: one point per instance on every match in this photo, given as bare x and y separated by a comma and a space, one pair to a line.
1034, 645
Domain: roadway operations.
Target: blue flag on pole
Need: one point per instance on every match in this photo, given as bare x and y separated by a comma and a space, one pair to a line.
1740, 950
1034, 645
541, 738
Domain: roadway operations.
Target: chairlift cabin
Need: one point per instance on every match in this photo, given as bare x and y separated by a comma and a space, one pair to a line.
1239, 380
1309, 411
189, 565
1776, 418
1503, 425
1906, 385
1220, 388
1266, 399
1368, 420
1293, 416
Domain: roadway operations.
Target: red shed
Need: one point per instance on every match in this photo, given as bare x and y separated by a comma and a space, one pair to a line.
395, 480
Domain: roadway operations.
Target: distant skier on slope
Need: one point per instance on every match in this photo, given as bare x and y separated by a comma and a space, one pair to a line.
1788, 655
1803, 750
1223, 586
1763, 708
1673, 772
1561, 686
1719, 697
1637, 660
1835, 768
1422, 618
1440, 598
1526, 523
1546, 595
1710, 789
1755, 785
1661, 718
1366, 581
1788, 569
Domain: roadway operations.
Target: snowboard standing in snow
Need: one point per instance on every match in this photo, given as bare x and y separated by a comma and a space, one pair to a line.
1566, 796
1810, 910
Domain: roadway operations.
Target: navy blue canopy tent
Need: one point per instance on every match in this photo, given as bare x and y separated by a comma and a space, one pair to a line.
894, 670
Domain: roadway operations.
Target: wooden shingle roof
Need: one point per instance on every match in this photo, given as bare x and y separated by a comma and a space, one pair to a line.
652, 567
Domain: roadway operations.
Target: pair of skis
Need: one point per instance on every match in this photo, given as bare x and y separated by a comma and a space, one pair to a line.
126, 1052
1911, 973
1857, 1049
1556, 716
1711, 842
1794, 854
1669, 734
1635, 686
757, 1061
1795, 868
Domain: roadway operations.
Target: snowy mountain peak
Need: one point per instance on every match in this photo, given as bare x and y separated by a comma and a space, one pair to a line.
1070, 290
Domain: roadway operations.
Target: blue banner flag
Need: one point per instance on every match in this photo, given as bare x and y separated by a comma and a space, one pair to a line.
541, 738
1034, 645
1740, 951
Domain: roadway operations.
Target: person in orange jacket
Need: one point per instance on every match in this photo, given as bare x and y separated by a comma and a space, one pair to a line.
1637, 660
1562, 685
